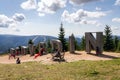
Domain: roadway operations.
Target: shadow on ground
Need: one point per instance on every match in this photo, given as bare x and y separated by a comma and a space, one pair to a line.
76, 53
104, 56
59, 60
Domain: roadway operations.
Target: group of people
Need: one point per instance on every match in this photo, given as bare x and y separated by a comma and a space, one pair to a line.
14, 52
18, 61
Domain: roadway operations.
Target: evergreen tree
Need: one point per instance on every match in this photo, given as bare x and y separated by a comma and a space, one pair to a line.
62, 39
116, 41
108, 41
82, 44
30, 41
49, 49
118, 47
66, 45
77, 46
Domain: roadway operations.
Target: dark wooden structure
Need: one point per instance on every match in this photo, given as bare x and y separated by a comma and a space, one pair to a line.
57, 50
95, 43
72, 44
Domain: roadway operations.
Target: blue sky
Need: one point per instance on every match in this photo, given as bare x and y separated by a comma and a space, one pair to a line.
43, 17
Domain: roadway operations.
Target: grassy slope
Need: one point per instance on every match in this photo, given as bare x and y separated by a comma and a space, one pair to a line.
81, 70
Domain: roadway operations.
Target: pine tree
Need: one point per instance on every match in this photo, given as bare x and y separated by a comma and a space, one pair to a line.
62, 39
108, 41
118, 47
49, 49
82, 44
30, 41
77, 46
116, 41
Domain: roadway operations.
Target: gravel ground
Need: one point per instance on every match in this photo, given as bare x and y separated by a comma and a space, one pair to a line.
47, 59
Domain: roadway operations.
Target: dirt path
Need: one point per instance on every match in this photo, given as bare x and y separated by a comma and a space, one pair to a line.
47, 59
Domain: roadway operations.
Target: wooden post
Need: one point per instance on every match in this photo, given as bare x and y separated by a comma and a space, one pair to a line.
72, 44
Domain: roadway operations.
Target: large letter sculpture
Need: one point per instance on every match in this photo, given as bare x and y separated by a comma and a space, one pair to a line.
56, 44
92, 43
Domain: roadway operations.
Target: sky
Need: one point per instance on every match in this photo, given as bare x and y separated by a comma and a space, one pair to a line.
44, 17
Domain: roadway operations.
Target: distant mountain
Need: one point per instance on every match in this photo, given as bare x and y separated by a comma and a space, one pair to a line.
13, 41
117, 36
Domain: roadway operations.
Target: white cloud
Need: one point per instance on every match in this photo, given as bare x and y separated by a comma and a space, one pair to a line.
29, 4
6, 22
19, 17
115, 28
15, 29
81, 2
83, 17
117, 2
116, 19
41, 14
91, 22
50, 6
95, 14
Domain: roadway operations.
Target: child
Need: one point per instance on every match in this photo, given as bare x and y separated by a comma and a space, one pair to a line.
18, 61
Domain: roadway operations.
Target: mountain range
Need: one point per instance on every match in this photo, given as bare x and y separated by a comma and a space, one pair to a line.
13, 41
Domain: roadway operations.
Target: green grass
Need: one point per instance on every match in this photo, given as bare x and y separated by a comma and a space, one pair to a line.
81, 70
3, 54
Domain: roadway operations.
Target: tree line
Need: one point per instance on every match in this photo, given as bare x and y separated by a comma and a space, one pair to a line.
111, 43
